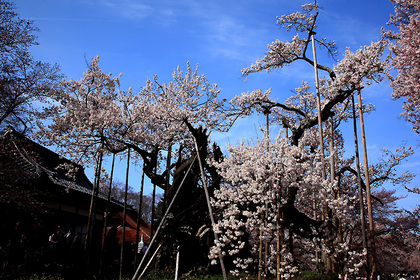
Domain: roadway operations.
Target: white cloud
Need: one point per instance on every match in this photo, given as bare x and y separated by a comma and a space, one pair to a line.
129, 8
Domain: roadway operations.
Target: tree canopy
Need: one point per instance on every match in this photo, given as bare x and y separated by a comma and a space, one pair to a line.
406, 59
24, 81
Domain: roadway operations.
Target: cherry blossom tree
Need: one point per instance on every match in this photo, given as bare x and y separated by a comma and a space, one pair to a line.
261, 191
162, 120
23, 80
277, 213
83, 114
167, 120
406, 59
262, 180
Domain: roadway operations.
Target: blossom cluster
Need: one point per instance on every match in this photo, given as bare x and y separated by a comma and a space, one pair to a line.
406, 58
92, 114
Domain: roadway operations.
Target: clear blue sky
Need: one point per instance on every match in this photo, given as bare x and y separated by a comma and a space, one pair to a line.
142, 38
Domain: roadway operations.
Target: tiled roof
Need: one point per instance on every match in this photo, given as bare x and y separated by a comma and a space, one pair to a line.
36, 160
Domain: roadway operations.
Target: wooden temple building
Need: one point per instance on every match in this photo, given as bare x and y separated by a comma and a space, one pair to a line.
39, 197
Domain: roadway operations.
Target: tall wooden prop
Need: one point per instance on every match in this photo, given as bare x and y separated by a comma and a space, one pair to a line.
330, 268
261, 243
280, 231
124, 215
321, 134
92, 200
150, 261
332, 151
359, 182
139, 216
152, 218
92, 209
213, 223
368, 195
266, 246
106, 215
318, 105
177, 263
260, 249
135, 276
339, 258
280, 237
168, 175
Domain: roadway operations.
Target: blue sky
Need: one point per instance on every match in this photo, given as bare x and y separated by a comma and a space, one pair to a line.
142, 38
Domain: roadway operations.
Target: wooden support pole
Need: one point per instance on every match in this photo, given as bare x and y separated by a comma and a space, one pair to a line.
106, 215
368, 194
152, 217
177, 262
94, 194
332, 151
151, 259
262, 223
280, 228
330, 241
260, 248
318, 105
321, 134
359, 183
92, 210
139, 217
213, 223
162, 222
280, 236
124, 214
168, 176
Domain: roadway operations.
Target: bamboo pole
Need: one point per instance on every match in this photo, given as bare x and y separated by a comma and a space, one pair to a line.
92, 210
333, 175
213, 223
359, 182
280, 237
332, 151
321, 134
106, 215
177, 263
264, 245
151, 259
92, 202
318, 105
368, 195
260, 248
152, 222
124, 214
280, 231
139, 217
168, 175
330, 268
162, 222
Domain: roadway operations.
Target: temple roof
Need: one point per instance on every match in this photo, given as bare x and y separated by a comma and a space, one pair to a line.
32, 161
